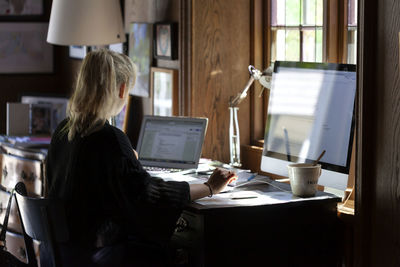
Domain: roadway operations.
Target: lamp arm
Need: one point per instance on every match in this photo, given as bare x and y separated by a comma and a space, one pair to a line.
242, 95
264, 78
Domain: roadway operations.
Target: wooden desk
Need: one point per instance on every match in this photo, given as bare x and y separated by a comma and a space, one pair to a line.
261, 232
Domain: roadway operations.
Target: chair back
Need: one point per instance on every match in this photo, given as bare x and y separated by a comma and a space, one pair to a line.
43, 220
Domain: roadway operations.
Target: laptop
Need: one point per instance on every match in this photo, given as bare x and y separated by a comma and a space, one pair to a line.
170, 144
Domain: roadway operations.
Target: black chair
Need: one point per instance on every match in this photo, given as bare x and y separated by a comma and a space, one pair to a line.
43, 220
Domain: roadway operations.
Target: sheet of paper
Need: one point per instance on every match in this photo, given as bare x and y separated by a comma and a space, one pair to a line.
252, 198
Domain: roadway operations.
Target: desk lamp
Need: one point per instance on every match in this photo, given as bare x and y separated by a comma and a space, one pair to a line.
264, 78
85, 22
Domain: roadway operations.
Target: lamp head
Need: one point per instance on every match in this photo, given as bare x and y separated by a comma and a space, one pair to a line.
264, 77
85, 22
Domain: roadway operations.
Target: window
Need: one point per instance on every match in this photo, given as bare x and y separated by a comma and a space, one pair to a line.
311, 31
297, 30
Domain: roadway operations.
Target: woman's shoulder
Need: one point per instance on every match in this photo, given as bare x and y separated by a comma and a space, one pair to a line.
120, 140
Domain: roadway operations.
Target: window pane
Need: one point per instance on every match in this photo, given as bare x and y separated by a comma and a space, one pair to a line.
319, 45
273, 13
308, 45
309, 12
277, 12
352, 46
281, 12
320, 12
273, 45
280, 45
292, 12
352, 13
292, 48
352, 32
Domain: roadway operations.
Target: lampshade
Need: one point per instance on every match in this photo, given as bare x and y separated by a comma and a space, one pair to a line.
85, 22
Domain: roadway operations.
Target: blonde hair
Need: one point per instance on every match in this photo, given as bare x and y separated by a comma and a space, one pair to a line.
96, 95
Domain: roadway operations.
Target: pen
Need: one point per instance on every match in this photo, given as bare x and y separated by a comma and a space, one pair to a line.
252, 177
243, 197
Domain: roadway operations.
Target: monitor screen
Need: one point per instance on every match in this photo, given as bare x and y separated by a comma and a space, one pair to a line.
311, 109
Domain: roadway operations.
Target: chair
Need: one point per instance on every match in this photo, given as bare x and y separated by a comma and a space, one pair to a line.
43, 220
19, 165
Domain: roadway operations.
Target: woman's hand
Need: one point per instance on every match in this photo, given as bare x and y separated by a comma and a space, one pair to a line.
216, 183
220, 178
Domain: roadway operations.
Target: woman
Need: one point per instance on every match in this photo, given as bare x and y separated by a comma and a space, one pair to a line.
114, 208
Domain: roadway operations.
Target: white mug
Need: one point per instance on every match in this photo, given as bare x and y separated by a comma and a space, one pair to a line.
304, 178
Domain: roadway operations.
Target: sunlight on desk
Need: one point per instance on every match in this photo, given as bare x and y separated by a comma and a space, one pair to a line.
178, 177
254, 198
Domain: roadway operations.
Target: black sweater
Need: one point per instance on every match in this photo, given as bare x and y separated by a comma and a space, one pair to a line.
107, 193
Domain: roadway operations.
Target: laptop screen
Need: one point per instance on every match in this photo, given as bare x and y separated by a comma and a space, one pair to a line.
171, 142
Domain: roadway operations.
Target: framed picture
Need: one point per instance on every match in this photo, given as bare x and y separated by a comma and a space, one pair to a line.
21, 8
164, 85
57, 105
78, 51
166, 40
140, 36
24, 48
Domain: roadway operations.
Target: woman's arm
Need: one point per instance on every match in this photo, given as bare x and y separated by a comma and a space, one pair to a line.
217, 181
215, 184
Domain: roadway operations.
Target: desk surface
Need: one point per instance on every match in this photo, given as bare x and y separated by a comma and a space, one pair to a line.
261, 192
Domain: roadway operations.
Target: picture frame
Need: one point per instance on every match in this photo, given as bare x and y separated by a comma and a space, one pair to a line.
78, 51
164, 86
24, 48
140, 51
57, 104
166, 40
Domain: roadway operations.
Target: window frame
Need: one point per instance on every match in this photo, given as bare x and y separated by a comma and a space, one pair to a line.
334, 51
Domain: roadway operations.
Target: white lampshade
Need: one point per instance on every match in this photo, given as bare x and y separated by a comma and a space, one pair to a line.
85, 22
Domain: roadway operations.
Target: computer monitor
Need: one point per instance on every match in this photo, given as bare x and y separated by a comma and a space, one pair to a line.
311, 109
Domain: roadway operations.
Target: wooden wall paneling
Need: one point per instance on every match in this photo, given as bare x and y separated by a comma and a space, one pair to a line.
386, 206
184, 54
334, 33
220, 57
257, 60
365, 169
378, 176
344, 32
267, 57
